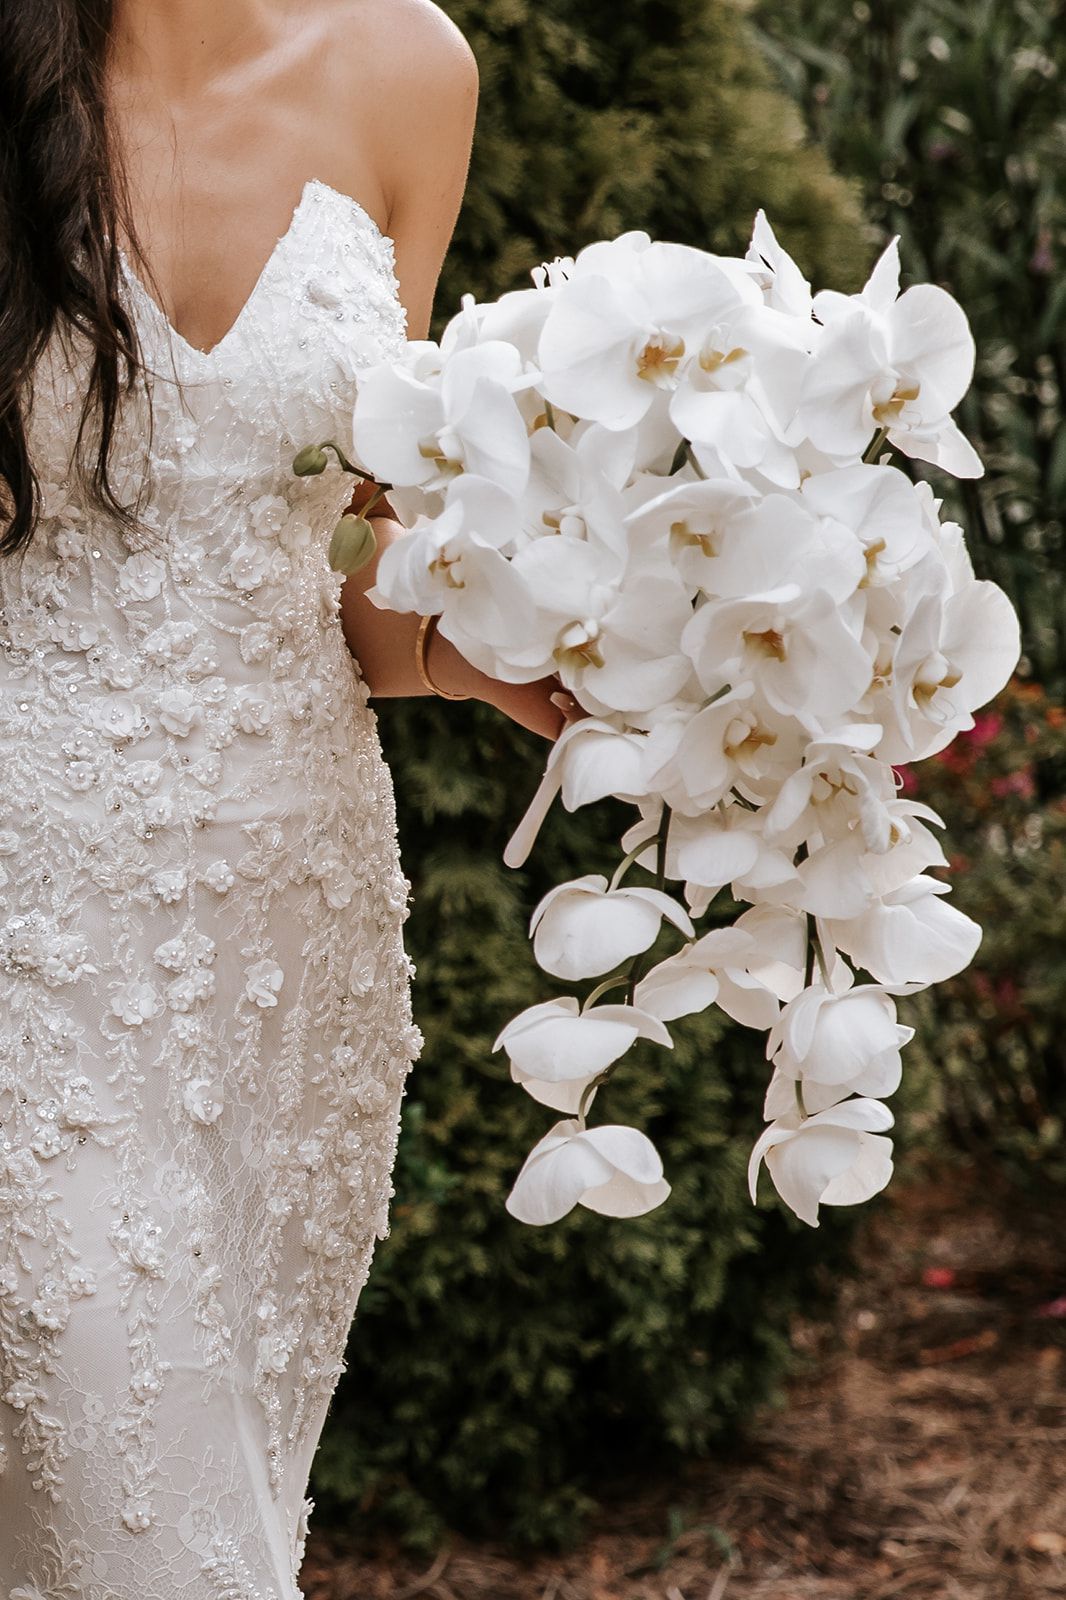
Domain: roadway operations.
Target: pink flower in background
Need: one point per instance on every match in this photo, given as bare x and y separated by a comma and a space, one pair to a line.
1020, 783
985, 728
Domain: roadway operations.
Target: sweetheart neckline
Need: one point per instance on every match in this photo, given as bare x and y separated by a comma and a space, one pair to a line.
210, 354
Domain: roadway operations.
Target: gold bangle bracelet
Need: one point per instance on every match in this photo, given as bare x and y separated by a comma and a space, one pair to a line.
425, 628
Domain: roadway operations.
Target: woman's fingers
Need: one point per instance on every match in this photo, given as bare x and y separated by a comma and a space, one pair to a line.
543, 706
571, 710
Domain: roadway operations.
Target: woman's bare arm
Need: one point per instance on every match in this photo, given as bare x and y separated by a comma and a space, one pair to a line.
424, 134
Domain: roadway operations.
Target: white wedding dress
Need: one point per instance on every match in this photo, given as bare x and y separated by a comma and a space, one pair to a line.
205, 1023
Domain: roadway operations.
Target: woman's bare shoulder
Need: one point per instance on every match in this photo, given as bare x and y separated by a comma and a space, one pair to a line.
409, 42
410, 96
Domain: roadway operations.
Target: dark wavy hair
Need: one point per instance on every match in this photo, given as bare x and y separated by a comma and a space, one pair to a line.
62, 193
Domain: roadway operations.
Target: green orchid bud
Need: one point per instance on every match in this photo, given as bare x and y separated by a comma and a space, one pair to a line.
310, 461
352, 545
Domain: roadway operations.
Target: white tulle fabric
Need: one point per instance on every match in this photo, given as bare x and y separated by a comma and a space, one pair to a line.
205, 1021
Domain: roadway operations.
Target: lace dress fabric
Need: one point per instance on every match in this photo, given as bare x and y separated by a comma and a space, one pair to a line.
205, 1018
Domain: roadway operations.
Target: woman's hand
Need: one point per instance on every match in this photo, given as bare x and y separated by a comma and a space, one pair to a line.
543, 706
383, 643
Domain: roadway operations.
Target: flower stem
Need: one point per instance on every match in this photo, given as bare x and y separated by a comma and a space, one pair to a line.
640, 963
875, 447
697, 469
636, 971
627, 861
378, 494
601, 988
814, 949
331, 444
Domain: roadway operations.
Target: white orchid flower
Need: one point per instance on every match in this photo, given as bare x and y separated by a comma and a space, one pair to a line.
834, 1045
576, 483
838, 1157
583, 929
614, 646
735, 400
783, 284
465, 419
954, 653
910, 936
795, 646
590, 759
714, 848
882, 509
837, 775
725, 540
445, 566
627, 319
714, 968
614, 1170
687, 524
734, 741
778, 541
556, 1050
845, 878
897, 363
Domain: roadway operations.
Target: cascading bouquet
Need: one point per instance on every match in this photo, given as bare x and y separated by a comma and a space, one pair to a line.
663, 475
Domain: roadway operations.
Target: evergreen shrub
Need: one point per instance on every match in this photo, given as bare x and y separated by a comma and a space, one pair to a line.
496, 1372
950, 115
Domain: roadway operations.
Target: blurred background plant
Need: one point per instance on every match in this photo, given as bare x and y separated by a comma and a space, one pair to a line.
497, 1373
989, 1054
951, 117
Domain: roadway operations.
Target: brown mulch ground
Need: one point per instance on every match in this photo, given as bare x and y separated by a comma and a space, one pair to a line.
922, 1458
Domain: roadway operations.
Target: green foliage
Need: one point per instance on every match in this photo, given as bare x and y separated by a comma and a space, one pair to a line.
951, 115
595, 118
497, 1371
989, 1043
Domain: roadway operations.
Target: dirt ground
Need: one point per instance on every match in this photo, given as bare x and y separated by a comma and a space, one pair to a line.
923, 1457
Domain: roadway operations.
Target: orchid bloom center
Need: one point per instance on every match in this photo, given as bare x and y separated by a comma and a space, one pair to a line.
658, 361
567, 521
898, 832
889, 411
936, 673
435, 449
712, 360
875, 548
744, 736
443, 564
710, 542
769, 642
579, 645
827, 786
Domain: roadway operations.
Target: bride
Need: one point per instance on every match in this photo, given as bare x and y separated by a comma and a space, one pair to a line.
213, 216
